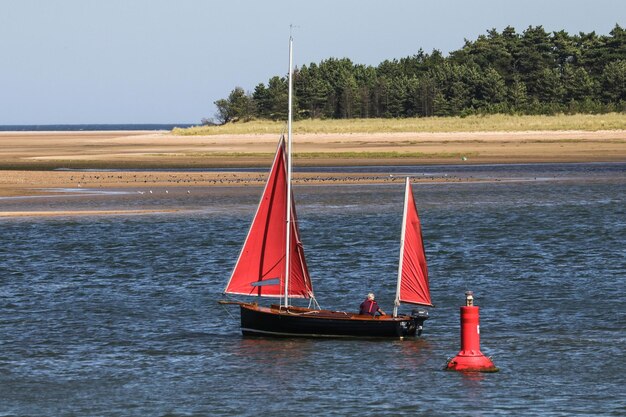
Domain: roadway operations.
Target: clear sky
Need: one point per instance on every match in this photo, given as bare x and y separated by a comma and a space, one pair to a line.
167, 61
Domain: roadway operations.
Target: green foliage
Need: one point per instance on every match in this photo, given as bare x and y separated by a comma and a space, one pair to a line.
272, 101
533, 72
239, 105
614, 82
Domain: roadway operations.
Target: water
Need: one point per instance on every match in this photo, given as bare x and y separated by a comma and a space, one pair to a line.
118, 315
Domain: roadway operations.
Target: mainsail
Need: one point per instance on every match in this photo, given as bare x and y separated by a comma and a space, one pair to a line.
260, 269
413, 272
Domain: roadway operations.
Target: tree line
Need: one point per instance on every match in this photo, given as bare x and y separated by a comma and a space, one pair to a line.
535, 72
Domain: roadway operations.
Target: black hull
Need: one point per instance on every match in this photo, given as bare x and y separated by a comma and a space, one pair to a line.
298, 322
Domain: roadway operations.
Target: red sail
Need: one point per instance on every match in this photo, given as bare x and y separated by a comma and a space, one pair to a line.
414, 271
260, 269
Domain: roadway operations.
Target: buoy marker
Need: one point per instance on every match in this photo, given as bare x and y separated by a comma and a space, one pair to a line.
470, 358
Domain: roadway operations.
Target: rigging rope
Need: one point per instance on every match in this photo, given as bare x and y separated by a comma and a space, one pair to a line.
313, 301
228, 312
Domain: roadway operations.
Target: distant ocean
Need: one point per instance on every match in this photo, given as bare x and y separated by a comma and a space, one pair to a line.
92, 127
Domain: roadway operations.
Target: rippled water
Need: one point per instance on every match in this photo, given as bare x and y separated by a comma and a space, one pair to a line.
118, 315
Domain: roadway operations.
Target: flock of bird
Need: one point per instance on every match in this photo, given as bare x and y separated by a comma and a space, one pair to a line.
234, 179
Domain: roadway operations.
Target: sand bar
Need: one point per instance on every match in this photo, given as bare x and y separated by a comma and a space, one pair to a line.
61, 213
32, 162
50, 150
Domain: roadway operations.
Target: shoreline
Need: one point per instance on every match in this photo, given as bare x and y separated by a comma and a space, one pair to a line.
32, 162
165, 193
16, 184
153, 150
61, 213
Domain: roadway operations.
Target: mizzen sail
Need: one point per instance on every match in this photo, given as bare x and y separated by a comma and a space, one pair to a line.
413, 272
260, 269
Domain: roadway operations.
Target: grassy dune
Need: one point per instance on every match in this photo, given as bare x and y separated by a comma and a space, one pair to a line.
489, 123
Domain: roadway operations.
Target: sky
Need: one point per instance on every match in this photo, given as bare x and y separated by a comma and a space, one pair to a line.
166, 61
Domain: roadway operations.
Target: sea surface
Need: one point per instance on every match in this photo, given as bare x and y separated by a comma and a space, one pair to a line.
118, 315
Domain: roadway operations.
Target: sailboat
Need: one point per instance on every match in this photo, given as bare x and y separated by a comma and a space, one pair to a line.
272, 264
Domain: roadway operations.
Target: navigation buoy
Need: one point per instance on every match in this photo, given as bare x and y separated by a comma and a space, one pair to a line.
470, 358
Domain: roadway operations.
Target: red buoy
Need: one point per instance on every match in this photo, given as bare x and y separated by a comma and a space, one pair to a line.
470, 358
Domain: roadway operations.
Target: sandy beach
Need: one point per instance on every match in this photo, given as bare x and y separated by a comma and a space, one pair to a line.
38, 163
137, 150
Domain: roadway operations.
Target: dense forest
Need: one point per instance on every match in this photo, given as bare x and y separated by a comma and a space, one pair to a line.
534, 72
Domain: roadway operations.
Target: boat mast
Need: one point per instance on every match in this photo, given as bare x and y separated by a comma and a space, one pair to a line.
289, 117
396, 303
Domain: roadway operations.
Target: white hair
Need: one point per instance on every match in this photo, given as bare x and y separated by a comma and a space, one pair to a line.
370, 296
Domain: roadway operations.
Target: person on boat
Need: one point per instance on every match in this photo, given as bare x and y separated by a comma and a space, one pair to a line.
369, 306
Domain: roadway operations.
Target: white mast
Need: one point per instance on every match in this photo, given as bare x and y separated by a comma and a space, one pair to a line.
288, 240
396, 303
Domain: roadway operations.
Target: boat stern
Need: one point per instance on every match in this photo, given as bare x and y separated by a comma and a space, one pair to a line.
419, 316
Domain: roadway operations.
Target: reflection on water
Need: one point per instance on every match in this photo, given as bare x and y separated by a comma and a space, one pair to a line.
288, 352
